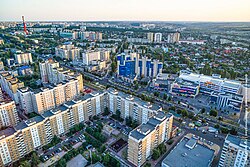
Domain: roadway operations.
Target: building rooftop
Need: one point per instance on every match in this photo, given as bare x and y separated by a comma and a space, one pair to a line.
183, 156
7, 132
237, 141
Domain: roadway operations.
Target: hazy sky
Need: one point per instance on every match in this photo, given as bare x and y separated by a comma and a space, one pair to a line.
144, 10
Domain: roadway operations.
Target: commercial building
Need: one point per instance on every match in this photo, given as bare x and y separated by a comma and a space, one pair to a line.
52, 73
161, 82
131, 66
190, 151
49, 97
246, 92
227, 101
158, 37
10, 84
185, 88
23, 58
148, 136
8, 112
235, 152
1, 65
174, 37
209, 84
32, 134
68, 51
131, 106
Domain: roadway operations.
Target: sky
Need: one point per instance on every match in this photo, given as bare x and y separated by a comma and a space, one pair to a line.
125, 10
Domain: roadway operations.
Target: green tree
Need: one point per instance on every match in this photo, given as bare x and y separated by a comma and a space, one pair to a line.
34, 159
156, 154
213, 113
106, 111
25, 164
61, 163
203, 110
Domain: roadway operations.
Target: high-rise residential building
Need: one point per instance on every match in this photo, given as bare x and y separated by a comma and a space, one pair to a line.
150, 36
32, 134
68, 51
90, 57
10, 84
131, 66
174, 37
235, 152
158, 37
1, 65
53, 74
23, 58
8, 112
46, 98
148, 136
130, 106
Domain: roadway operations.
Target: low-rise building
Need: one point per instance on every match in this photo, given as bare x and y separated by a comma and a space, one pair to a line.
190, 151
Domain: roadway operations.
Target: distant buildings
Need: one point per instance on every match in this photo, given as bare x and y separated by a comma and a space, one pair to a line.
25, 70
174, 37
68, 51
90, 57
1, 41
193, 42
23, 58
191, 151
158, 37
150, 36
52, 73
148, 136
235, 152
131, 66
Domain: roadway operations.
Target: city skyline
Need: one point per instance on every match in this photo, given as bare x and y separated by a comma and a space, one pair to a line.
110, 10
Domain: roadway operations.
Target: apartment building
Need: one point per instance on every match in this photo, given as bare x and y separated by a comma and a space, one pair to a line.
174, 37
148, 136
68, 51
10, 84
23, 58
49, 97
130, 106
150, 36
8, 113
25, 137
32, 134
235, 152
158, 37
52, 73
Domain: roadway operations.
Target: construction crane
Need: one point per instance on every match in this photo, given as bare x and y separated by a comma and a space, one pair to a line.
24, 26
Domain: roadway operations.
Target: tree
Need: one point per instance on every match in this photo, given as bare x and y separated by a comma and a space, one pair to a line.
233, 131
61, 163
217, 126
147, 165
25, 164
118, 114
184, 113
156, 154
203, 110
34, 159
213, 113
106, 111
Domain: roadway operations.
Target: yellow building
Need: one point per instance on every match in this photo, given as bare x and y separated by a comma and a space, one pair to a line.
148, 136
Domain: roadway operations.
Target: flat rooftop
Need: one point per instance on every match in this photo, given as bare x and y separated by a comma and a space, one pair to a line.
183, 156
78, 161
